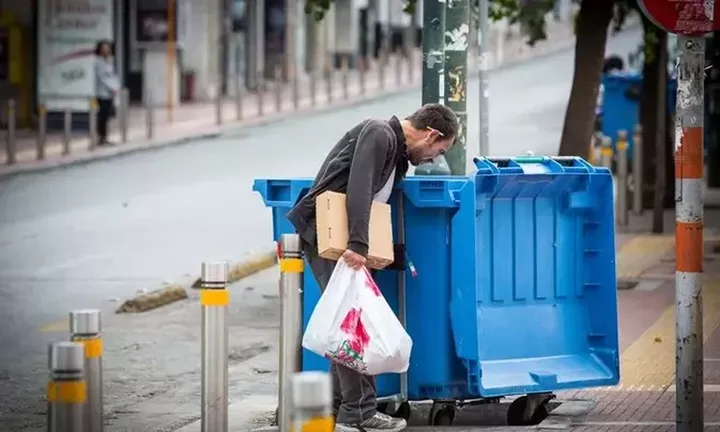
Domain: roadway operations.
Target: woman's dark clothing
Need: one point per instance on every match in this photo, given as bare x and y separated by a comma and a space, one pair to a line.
106, 111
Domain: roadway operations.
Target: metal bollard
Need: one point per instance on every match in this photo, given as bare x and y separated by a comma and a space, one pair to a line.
85, 328
637, 171
291, 285
66, 391
123, 120
218, 105
411, 65
10, 145
294, 87
606, 152
238, 97
329, 80
312, 402
398, 67
313, 86
260, 91
344, 71
381, 63
214, 301
361, 74
93, 124
149, 116
278, 88
67, 131
622, 178
42, 132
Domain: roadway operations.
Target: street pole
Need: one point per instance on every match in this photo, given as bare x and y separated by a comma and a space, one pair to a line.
433, 61
689, 235
484, 64
457, 29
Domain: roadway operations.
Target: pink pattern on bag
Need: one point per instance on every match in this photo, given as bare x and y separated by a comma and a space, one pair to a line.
352, 326
370, 283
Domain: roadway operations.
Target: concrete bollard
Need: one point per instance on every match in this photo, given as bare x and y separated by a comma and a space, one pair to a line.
606, 152
291, 285
85, 328
637, 171
93, 113
278, 88
214, 301
123, 115
42, 132
67, 131
622, 178
67, 390
10, 144
312, 402
345, 72
149, 116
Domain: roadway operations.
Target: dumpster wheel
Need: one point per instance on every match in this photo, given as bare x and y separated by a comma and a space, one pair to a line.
442, 414
528, 411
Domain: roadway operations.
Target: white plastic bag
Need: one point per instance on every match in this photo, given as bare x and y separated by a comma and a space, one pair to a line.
353, 325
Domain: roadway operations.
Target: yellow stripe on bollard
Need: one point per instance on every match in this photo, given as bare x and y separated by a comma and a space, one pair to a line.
214, 297
292, 265
93, 347
322, 424
69, 392
606, 151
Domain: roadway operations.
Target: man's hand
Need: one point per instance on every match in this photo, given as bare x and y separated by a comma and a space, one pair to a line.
353, 259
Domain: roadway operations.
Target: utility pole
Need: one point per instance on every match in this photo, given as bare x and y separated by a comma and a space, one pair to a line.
689, 125
483, 65
457, 29
433, 70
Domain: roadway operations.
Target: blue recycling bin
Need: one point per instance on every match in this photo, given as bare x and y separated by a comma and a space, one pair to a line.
621, 104
515, 290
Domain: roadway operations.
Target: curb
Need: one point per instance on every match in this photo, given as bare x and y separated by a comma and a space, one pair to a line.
174, 293
232, 127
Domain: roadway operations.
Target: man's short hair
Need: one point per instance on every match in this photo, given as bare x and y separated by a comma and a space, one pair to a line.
435, 116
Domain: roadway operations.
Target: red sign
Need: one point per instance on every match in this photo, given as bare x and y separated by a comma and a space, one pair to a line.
683, 17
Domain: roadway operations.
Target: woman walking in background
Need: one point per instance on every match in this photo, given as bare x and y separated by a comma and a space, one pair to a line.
106, 87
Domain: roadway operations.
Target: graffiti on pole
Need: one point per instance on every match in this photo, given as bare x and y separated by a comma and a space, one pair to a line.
457, 39
457, 84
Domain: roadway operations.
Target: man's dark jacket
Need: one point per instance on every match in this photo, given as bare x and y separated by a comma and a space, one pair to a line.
359, 165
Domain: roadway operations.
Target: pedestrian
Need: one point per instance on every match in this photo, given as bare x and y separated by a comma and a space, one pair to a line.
106, 87
365, 164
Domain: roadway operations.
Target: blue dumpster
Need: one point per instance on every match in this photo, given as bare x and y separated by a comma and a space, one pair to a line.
515, 291
621, 104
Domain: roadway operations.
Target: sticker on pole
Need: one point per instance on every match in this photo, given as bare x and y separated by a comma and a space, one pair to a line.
686, 17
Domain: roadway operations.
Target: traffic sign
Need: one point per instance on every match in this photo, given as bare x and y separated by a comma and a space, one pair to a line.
683, 17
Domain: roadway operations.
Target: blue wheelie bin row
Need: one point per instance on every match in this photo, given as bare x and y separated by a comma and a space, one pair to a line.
621, 104
515, 289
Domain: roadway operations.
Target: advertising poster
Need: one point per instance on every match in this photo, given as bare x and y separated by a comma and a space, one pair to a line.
68, 31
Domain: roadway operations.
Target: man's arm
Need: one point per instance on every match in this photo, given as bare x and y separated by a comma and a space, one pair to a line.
371, 152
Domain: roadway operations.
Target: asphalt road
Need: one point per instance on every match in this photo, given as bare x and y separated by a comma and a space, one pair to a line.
90, 235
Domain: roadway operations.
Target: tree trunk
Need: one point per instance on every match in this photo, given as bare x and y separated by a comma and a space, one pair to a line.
592, 29
661, 147
648, 116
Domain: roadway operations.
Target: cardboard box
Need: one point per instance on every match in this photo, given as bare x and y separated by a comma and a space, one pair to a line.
332, 230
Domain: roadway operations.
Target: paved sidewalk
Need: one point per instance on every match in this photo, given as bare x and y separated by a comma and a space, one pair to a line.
194, 121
